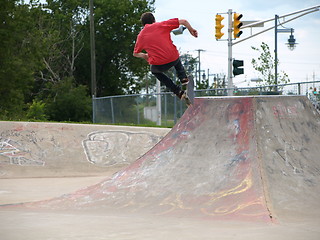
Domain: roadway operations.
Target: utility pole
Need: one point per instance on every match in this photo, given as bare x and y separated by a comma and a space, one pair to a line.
199, 70
93, 62
276, 17
93, 55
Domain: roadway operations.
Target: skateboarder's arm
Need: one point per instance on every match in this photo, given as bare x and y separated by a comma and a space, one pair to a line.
141, 55
185, 23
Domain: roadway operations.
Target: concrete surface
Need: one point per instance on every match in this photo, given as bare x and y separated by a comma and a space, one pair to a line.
19, 190
232, 168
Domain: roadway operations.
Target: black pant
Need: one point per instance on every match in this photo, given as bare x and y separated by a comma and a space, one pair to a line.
158, 72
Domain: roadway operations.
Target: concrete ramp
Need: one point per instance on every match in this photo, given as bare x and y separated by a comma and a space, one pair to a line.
239, 158
288, 140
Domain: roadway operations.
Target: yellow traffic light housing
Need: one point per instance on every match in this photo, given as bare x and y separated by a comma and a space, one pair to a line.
237, 24
219, 26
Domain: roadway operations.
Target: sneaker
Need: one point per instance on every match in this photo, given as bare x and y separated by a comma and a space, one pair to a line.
184, 81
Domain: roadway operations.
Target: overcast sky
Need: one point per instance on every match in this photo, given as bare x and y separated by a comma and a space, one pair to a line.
301, 64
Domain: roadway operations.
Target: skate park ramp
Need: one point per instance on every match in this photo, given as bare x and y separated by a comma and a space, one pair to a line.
231, 168
239, 158
34, 149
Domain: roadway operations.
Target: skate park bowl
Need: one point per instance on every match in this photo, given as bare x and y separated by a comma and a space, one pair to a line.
231, 168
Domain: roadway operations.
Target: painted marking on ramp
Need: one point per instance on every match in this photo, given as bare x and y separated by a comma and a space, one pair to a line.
282, 111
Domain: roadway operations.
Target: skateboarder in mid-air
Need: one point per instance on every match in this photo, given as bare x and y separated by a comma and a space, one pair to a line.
161, 53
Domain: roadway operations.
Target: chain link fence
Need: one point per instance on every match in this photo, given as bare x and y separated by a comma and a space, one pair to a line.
142, 109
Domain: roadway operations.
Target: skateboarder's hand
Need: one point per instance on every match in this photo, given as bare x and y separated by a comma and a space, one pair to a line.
185, 23
193, 32
145, 56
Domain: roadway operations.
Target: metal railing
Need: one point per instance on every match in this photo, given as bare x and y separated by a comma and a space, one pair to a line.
141, 109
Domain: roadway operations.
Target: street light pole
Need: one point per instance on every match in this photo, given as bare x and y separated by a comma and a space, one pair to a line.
291, 44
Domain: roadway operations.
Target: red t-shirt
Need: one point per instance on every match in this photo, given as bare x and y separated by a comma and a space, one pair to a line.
155, 39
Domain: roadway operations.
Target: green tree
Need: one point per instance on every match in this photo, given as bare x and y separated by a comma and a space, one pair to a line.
20, 57
265, 65
117, 24
36, 111
44, 46
64, 33
67, 102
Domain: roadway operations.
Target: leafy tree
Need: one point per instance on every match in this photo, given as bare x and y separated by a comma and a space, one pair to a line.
45, 55
66, 102
65, 38
36, 111
60, 24
117, 24
265, 65
20, 57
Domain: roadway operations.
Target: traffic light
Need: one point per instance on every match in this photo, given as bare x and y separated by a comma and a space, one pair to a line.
236, 67
237, 24
315, 91
235, 91
219, 26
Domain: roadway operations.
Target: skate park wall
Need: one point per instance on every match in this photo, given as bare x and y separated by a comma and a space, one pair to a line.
35, 149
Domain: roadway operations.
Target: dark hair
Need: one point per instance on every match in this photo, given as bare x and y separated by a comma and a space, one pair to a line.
147, 18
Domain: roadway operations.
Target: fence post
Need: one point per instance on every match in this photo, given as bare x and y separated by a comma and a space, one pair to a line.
93, 109
165, 109
138, 113
112, 112
175, 109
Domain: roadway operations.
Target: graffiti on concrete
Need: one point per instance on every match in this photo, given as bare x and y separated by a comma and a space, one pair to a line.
24, 147
107, 148
13, 153
285, 112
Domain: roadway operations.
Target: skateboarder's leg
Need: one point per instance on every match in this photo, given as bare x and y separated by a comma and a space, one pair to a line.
181, 72
168, 83
158, 72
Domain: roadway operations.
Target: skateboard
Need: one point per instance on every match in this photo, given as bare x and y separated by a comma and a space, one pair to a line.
190, 92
